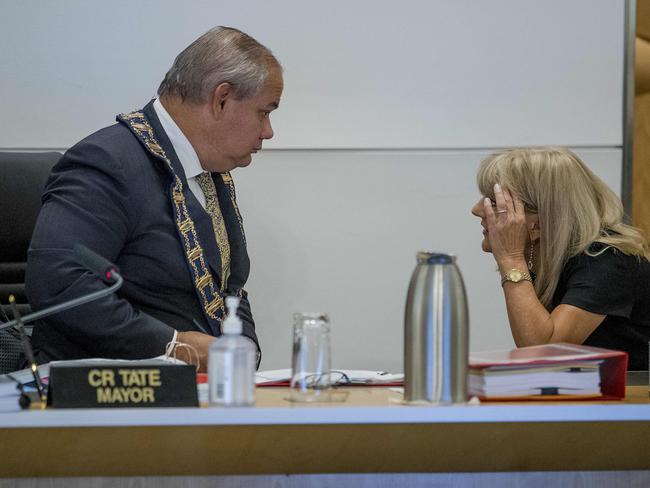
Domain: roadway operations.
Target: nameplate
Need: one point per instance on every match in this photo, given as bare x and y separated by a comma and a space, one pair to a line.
108, 384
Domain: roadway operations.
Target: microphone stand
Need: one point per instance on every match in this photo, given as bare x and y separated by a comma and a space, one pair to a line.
96, 264
66, 305
29, 353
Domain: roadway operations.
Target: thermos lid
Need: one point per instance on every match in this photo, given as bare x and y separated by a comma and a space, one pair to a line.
431, 257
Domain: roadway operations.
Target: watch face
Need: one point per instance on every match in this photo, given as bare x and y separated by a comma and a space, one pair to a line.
515, 275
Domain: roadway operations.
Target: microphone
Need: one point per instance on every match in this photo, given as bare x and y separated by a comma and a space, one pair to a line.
90, 260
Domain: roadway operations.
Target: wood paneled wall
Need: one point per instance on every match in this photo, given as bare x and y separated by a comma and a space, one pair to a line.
641, 150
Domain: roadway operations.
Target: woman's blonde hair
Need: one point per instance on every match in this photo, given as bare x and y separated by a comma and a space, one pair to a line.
574, 206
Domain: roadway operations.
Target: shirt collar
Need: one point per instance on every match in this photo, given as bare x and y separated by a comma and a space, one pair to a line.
182, 146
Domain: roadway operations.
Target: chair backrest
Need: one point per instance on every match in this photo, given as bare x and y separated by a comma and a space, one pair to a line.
22, 178
11, 352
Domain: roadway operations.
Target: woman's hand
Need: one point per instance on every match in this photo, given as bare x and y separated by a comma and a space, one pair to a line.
507, 230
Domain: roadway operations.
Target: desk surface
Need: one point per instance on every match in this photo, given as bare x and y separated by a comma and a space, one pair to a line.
370, 432
372, 405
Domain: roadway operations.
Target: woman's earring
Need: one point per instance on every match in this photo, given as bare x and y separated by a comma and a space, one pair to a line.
530, 257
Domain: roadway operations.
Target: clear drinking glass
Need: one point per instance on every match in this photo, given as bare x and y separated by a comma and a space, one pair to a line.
311, 359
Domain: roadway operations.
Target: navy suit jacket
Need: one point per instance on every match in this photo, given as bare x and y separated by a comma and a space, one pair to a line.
111, 194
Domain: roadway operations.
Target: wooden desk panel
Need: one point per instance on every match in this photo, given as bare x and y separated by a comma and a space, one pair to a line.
438, 445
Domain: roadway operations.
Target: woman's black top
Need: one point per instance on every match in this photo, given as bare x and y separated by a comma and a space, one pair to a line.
616, 285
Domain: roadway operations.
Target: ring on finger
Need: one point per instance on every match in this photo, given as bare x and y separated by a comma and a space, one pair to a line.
502, 211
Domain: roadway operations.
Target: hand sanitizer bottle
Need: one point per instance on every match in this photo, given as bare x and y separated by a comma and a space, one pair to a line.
231, 363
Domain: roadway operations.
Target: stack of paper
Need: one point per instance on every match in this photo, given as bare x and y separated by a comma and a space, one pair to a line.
9, 394
550, 371
578, 378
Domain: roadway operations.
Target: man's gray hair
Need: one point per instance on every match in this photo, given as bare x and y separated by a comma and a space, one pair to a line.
221, 55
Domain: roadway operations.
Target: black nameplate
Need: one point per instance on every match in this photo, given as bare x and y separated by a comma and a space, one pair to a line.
87, 384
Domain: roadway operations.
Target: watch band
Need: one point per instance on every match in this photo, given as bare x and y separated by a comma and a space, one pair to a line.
516, 275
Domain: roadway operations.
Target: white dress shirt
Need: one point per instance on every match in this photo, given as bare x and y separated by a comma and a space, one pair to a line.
184, 150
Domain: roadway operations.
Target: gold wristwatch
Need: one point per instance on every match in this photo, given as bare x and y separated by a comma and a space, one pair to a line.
515, 275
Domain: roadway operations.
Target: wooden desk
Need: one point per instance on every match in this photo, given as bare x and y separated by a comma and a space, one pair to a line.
370, 433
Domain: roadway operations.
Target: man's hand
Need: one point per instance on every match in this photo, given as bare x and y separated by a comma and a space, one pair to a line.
200, 342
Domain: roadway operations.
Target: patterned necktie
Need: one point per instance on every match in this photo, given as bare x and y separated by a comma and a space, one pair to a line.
221, 234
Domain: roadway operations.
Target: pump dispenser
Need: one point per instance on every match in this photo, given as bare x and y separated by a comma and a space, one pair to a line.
231, 363
232, 324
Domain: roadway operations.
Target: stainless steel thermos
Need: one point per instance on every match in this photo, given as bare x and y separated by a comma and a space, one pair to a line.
436, 332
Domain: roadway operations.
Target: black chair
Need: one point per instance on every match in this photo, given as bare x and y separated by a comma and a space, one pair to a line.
22, 178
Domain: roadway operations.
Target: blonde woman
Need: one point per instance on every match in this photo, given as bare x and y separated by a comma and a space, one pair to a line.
571, 270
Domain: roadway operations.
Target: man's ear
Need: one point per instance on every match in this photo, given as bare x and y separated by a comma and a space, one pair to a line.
220, 95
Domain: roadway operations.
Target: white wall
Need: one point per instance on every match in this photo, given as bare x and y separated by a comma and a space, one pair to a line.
337, 231
388, 109
359, 74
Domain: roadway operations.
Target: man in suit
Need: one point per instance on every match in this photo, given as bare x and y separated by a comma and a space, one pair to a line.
153, 194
